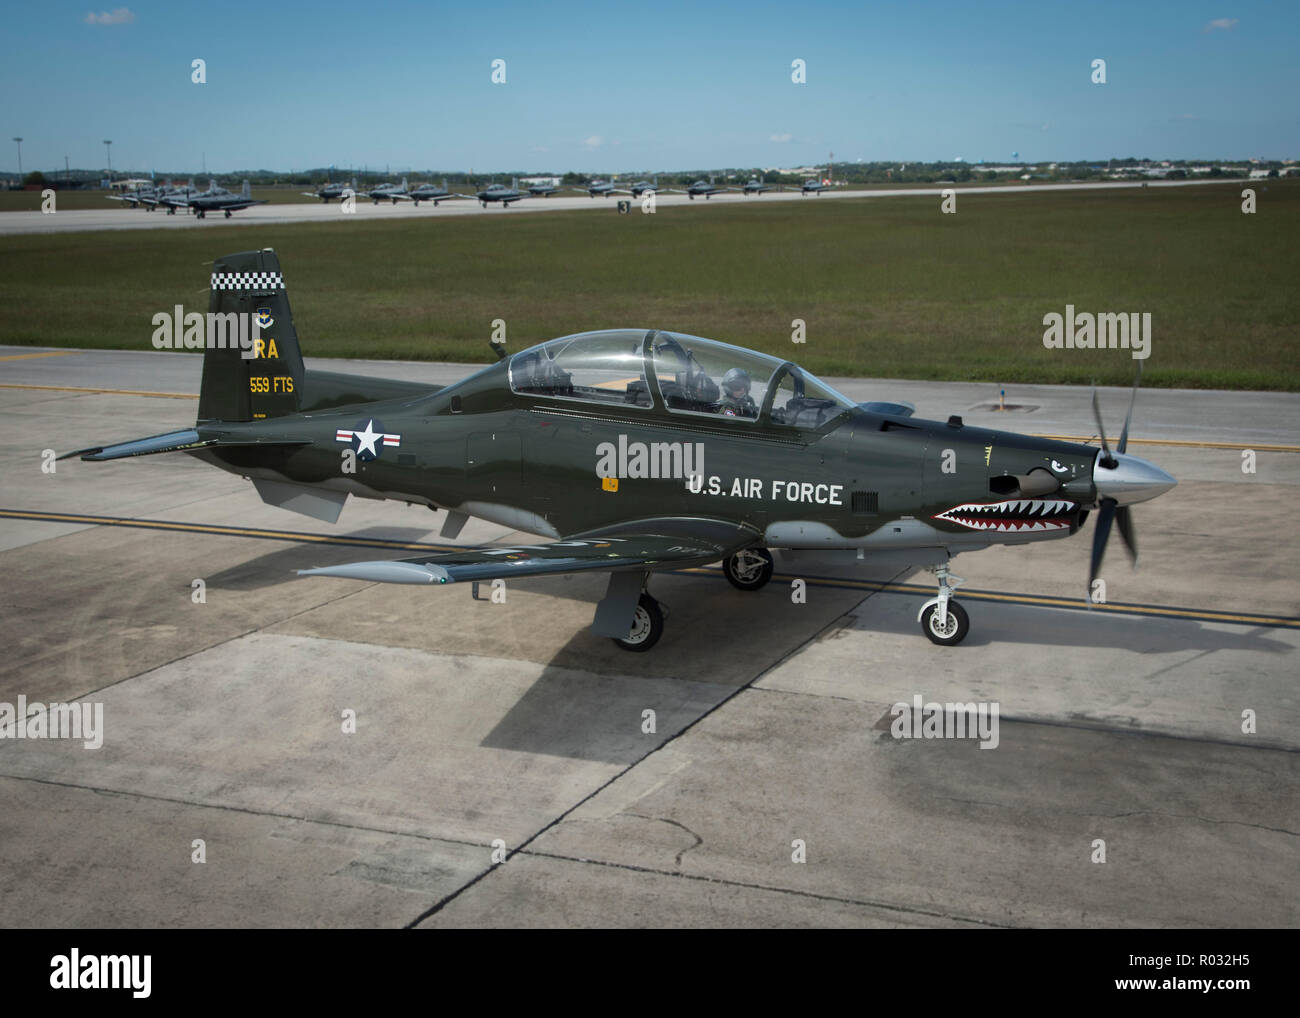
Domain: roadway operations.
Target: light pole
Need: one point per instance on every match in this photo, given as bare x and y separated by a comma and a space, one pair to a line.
108, 148
20, 161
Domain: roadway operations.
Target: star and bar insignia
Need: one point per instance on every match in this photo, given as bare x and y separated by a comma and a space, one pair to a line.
369, 439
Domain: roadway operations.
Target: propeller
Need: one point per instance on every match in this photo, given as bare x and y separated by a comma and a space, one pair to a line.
1110, 511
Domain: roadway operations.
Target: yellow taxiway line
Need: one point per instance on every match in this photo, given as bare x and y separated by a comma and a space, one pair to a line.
48, 353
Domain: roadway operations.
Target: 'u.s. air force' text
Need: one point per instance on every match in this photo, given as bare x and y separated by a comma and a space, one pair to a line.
757, 487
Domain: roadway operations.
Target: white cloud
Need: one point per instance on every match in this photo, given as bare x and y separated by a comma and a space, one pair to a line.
118, 16
595, 141
1224, 24
781, 138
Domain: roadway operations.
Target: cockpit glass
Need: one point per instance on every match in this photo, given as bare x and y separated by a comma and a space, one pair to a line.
595, 367
701, 376
695, 376
804, 401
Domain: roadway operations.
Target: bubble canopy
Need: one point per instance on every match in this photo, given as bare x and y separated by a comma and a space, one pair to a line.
647, 369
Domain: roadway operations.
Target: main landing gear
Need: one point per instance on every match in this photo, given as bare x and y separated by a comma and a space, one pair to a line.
942, 619
647, 625
749, 569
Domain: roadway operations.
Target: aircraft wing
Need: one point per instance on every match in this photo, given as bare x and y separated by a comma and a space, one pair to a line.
236, 206
671, 543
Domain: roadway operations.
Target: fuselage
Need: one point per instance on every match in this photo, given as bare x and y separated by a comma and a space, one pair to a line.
834, 476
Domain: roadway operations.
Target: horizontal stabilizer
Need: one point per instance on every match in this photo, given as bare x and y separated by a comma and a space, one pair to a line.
173, 441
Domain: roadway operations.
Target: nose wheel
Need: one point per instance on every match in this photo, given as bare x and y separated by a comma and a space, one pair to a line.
942, 619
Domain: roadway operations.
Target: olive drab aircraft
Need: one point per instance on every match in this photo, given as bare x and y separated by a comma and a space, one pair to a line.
331, 190
628, 451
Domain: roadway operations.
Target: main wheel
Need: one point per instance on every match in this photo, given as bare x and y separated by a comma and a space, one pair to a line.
647, 626
954, 632
749, 569
227, 213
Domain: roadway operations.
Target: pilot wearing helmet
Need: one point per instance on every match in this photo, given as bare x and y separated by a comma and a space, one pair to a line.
736, 401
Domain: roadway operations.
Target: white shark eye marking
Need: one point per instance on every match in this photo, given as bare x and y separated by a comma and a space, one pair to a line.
1057, 467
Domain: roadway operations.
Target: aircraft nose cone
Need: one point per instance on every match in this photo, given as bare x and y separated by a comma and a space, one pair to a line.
1130, 480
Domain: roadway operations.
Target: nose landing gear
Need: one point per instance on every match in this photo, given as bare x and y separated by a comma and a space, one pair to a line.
942, 619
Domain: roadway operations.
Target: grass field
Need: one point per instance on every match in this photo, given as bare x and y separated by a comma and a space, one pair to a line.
888, 287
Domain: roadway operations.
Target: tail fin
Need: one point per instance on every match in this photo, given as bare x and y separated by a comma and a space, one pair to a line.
403, 187
269, 381
245, 191
212, 183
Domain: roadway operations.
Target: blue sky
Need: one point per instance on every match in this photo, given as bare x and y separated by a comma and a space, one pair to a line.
608, 88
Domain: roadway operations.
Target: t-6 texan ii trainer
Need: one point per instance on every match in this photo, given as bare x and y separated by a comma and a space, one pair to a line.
631, 451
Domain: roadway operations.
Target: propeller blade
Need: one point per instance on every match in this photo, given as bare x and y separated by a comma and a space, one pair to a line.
1107, 460
1125, 520
1100, 534
1123, 435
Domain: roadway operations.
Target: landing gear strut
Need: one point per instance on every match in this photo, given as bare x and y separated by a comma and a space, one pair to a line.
942, 619
749, 569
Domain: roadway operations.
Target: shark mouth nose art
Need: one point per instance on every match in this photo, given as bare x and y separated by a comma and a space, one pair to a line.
1013, 515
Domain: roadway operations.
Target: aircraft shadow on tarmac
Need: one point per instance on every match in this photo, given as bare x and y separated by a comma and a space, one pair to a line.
992, 622
588, 701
